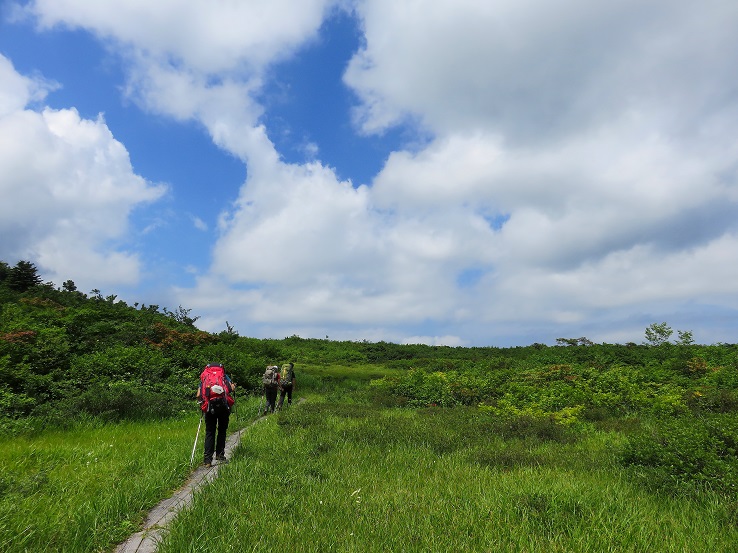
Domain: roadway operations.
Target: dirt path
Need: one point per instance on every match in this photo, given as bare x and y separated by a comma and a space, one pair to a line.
147, 540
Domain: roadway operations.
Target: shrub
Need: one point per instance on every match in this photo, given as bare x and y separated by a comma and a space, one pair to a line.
14, 405
687, 451
123, 401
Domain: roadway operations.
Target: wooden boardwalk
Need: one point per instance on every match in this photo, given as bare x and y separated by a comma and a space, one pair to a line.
147, 540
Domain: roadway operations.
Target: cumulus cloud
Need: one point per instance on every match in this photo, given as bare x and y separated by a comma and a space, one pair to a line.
204, 36
536, 70
72, 189
594, 139
18, 91
203, 62
581, 164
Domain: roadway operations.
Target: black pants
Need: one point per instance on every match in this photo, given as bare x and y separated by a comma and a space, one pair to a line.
286, 391
213, 420
270, 394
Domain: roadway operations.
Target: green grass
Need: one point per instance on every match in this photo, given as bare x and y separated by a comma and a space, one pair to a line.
330, 475
333, 477
355, 371
89, 488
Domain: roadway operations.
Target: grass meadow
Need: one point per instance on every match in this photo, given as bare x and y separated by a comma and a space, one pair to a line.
328, 476
87, 488
338, 472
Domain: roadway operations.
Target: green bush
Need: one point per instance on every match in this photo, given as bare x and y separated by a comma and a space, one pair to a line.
116, 401
686, 451
14, 405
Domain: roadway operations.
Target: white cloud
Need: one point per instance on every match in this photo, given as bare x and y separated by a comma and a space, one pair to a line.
202, 62
199, 224
204, 36
582, 165
582, 162
536, 70
451, 341
18, 91
69, 189
600, 134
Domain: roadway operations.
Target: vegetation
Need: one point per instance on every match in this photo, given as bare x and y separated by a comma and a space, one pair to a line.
573, 447
353, 477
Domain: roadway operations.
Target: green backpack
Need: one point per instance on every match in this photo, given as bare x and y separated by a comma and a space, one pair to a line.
287, 374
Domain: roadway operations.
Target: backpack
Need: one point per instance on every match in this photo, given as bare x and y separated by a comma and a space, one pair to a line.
215, 390
287, 374
270, 376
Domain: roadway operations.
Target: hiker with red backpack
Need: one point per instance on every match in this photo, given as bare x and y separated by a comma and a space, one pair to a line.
215, 395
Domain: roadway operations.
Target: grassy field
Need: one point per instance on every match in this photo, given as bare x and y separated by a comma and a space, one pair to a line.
347, 477
338, 473
89, 488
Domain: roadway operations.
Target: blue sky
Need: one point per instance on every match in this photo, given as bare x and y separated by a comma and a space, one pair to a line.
464, 172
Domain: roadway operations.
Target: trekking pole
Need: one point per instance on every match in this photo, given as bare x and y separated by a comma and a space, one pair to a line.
192, 457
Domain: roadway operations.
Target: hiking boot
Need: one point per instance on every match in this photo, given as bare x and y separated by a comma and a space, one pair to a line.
207, 463
221, 458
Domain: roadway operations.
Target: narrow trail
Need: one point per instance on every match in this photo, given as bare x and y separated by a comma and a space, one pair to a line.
147, 540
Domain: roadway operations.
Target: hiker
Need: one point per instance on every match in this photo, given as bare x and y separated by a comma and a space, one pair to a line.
215, 396
286, 384
271, 386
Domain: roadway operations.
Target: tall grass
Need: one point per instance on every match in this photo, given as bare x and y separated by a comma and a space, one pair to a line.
88, 488
345, 477
342, 474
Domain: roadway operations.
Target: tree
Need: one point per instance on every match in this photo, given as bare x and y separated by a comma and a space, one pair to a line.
69, 286
658, 334
583, 341
230, 334
23, 276
181, 315
685, 338
4, 270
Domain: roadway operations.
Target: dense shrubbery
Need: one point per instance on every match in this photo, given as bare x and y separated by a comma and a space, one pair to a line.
653, 388
679, 414
64, 355
677, 453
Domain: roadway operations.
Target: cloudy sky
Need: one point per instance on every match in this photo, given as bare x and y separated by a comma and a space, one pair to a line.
459, 172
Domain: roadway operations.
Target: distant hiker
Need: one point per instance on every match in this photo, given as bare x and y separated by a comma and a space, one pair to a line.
271, 386
286, 383
215, 395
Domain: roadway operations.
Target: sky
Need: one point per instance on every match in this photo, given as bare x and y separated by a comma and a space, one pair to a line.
444, 172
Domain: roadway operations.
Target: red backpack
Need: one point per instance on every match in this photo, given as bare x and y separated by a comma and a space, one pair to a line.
215, 390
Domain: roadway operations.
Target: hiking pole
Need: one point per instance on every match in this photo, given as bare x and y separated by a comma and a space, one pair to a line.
192, 457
